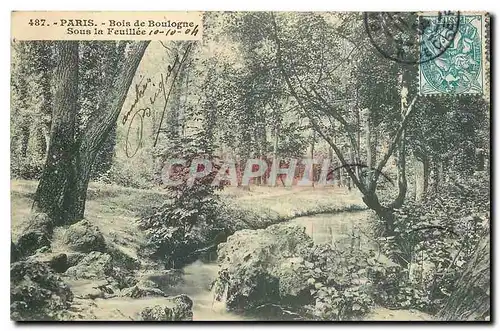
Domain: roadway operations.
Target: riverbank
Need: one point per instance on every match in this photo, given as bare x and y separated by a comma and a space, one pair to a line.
114, 211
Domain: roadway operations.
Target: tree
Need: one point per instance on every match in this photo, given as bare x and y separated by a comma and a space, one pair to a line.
32, 66
62, 189
307, 71
95, 60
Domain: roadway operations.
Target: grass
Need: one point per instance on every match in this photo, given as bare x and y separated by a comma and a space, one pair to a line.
262, 206
293, 200
115, 209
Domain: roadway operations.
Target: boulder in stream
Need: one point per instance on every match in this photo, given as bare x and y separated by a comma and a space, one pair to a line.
259, 267
180, 309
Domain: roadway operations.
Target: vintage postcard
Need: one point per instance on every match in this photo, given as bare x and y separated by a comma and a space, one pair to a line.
250, 166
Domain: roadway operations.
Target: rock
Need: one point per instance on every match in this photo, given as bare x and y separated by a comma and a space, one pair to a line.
40, 222
29, 242
180, 310
141, 292
44, 249
163, 279
94, 293
97, 290
90, 289
36, 293
259, 267
122, 278
74, 258
123, 259
156, 313
37, 234
84, 237
95, 265
59, 262
183, 307
291, 280
153, 283
15, 253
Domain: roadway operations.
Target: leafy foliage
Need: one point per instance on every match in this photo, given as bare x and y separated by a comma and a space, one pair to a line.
435, 238
341, 281
32, 66
193, 203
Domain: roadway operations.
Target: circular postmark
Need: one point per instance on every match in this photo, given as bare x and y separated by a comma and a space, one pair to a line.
410, 38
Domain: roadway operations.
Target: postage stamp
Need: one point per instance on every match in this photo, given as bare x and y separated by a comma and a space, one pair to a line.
460, 68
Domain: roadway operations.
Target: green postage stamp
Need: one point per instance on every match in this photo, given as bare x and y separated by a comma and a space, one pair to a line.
452, 51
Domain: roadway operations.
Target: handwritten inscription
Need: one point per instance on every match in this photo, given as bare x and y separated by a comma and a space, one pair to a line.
135, 117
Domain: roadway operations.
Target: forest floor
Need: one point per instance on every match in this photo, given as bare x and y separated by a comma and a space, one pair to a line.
115, 210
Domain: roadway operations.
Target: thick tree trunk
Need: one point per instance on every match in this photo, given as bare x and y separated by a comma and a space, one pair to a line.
62, 190
471, 299
54, 193
104, 159
384, 213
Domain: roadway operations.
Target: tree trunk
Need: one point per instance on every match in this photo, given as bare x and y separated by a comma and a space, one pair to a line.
54, 193
104, 159
275, 147
425, 186
62, 189
25, 137
384, 213
402, 182
436, 177
401, 146
417, 178
471, 299
312, 157
421, 170
369, 158
357, 148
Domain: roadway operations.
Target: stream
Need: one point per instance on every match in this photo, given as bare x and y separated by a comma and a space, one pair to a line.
337, 229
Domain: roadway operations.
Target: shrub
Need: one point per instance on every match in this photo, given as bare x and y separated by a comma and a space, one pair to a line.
434, 239
29, 167
341, 281
171, 228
